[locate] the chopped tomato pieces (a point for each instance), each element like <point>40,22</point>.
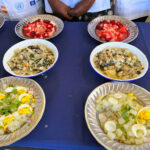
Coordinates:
<point>39,29</point>
<point>111,30</point>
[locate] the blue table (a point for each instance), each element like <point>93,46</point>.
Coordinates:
<point>67,86</point>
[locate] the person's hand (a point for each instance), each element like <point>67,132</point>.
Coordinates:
<point>60,9</point>
<point>81,8</point>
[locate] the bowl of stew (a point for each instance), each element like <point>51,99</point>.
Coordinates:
<point>119,61</point>
<point>30,58</point>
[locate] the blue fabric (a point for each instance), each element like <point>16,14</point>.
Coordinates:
<point>67,87</point>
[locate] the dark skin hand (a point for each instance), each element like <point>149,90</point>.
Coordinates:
<point>60,9</point>
<point>81,8</point>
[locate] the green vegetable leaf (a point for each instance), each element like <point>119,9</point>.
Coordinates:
<point>7,95</point>
<point>128,107</point>
<point>1,104</point>
<point>118,126</point>
<point>7,113</point>
<point>125,115</point>
<point>11,85</point>
<point>7,101</point>
<point>126,121</point>
<point>124,132</point>
<point>14,91</point>
<point>17,102</point>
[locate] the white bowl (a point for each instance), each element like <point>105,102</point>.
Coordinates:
<point>40,103</point>
<point>10,52</point>
<point>133,49</point>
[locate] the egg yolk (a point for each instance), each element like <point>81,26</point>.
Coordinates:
<point>2,96</point>
<point>144,115</point>
<point>25,110</point>
<point>25,99</point>
<point>21,91</point>
<point>6,121</point>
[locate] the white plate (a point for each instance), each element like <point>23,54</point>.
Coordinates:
<point>39,95</point>
<point>59,23</point>
<point>10,52</point>
<point>91,115</point>
<point>132,27</point>
<point>133,49</point>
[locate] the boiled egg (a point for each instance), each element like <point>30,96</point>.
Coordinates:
<point>5,120</point>
<point>118,95</point>
<point>24,109</point>
<point>139,130</point>
<point>25,98</point>
<point>9,89</point>
<point>112,100</point>
<point>110,126</point>
<point>144,113</point>
<point>1,120</point>
<point>21,89</point>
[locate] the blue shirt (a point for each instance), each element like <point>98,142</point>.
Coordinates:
<point>99,5</point>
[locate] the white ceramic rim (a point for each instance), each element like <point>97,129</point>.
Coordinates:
<point>121,45</point>
<point>27,43</point>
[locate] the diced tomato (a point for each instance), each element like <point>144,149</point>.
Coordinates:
<point>39,29</point>
<point>123,29</point>
<point>46,21</point>
<point>32,34</point>
<point>111,30</point>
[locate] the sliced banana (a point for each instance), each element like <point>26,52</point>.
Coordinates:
<point>139,130</point>
<point>110,126</point>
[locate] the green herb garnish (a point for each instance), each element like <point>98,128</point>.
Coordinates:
<point>14,91</point>
<point>125,115</point>
<point>11,85</point>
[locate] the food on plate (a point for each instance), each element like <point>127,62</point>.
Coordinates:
<point>112,30</point>
<point>31,60</point>
<point>39,29</point>
<point>17,105</point>
<point>123,119</point>
<point>118,63</point>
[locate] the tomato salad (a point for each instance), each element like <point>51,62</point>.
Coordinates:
<point>111,30</point>
<point>39,29</point>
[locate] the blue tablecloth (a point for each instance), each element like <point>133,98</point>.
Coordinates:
<point>67,86</point>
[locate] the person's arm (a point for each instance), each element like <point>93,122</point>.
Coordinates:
<point>81,8</point>
<point>60,9</point>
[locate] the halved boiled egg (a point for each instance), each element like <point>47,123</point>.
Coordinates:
<point>113,100</point>
<point>110,126</point>
<point>21,89</point>
<point>9,89</point>
<point>24,109</point>
<point>139,130</point>
<point>5,120</point>
<point>118,95</point>
<point>25,98</point>
<point>144,113</point>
